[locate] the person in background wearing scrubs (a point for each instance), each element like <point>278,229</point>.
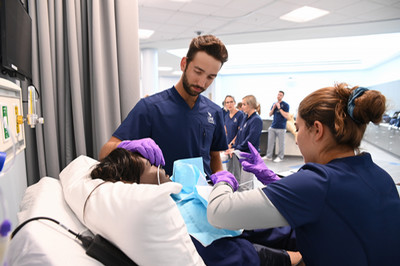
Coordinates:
<point>233,119</point>
<point>343,207</point>
<point>249,131</point>
<point>280,110</point>
<point>224,109</point>
<point>251,126</point>
<point>181,121</point>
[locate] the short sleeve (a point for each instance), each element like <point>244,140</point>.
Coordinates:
<point>286,107</point>
<point>137,124</point>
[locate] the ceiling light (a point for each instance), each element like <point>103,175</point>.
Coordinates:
<point>304,14</point>
<point>145,34</point>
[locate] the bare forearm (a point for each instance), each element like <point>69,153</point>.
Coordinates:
<point>108,147</point>
<point>272,111</point>
<point>215,162</point>
<point>285,114</point>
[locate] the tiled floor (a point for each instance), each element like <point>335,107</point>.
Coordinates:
<point>385,160</point>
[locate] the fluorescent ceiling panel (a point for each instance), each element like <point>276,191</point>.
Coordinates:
<point>303,14</point>
<point>145,34</point>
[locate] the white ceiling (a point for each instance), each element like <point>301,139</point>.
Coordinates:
<point>271,40</point>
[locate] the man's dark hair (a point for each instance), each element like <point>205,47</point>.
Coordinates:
<point>209,44</point>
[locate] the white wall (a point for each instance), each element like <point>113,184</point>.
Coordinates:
<point>167,82</point>
<point>297,85</point>
<point>265,87</point>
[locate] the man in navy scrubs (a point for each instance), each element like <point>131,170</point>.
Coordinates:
<point>180,120</point>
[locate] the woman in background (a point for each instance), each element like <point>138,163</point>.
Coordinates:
<point>251,126</point>
<point>233,119</point>
<point>249,132</point>
<point>343,207</point>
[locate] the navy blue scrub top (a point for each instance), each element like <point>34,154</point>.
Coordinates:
<point>250,130</point>
<point>232,125</point>
<point>180,132</point>
<point>279,120</point>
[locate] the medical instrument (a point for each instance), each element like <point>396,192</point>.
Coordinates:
<point>96,246</point>
<point>32,116</point>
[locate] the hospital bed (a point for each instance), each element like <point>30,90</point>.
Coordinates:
<point>142,220</point>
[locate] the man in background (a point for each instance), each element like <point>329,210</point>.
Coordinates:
<point>280,111</point>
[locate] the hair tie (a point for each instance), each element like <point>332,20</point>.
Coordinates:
<point>351,104</point>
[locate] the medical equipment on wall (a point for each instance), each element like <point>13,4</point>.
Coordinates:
<point>12,135</point>
<point>32,116</point>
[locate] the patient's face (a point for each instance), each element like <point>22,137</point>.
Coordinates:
<point>149,175</point>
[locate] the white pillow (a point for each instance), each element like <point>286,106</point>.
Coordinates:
<point>142,220</point>
<point>43,242</point>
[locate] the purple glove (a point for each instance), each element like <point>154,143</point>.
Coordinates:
<point>225,176</point>
<point>253,163</point>
<point>147,148</point>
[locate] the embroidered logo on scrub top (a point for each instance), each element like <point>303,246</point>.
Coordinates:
<point>210,118</point>
<point>235,120</point>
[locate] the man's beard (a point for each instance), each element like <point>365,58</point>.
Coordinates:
<point>187,86</point>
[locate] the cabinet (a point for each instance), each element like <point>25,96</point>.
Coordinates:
<point>385,137</point>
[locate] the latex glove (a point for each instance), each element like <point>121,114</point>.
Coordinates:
<point>225,176</point>
<point>147,148</point>
<point>253,163</point>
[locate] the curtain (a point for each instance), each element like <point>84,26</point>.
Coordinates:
<point>85,60</point>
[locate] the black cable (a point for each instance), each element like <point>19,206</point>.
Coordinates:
<point>42,218</point>
<point>96,247</point>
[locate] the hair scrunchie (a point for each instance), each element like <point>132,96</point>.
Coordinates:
<point>350,104</point>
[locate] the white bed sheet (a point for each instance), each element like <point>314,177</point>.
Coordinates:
<point>43,242</point>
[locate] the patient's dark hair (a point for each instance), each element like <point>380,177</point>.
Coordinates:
<point>119,165</point>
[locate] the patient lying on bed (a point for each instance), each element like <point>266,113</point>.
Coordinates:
<point>250,248</point>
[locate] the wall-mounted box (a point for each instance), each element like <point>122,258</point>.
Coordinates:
<point>11,115</point>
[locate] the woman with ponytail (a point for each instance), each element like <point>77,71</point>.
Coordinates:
<point>344,209</point>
